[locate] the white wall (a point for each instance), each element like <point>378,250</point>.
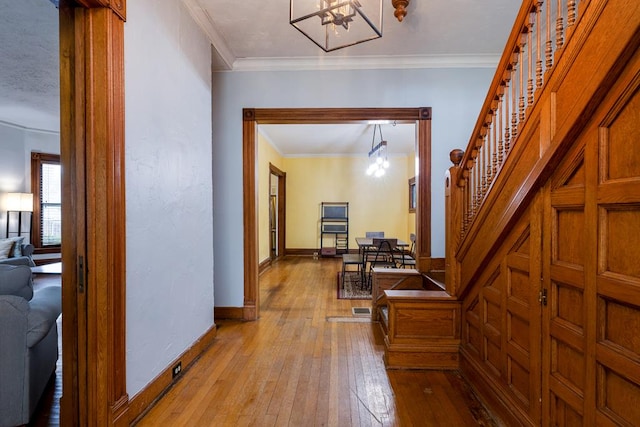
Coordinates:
<point>16,145</point>
<point>455,95</point>
<point>168,186</point>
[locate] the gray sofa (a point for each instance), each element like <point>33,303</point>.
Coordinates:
<point>25,257</point>
<point>28,342</point>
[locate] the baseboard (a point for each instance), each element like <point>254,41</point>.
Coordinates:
<point>142,402</point>
<point>233,313</point>
<point>302,252</point>
<point>264,265</point>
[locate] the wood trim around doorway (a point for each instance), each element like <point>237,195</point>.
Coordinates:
<point>93,212</point>
<point>282,203</point>
<point>253,117</point>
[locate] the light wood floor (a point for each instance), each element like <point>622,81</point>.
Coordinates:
<point>308,361</point>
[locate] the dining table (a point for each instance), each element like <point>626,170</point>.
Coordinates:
<point>365,245</point>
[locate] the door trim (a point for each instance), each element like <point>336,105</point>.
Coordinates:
<point>282,211</point>
<point>252,117</point>
<point>93,219</point>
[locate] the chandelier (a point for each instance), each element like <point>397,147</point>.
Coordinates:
<point>334,24</point>
<point>378,159</point>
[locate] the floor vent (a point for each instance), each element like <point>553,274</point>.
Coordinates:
<point>361,311</point>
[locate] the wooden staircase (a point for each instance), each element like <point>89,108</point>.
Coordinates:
<point>541,305</point>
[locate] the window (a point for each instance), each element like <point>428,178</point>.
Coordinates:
<point>413,195</point>
<point>47,196</point>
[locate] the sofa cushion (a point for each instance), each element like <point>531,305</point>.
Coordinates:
<point>16,280</point>
<point>17,246</point>
<point>46,306</point>
<point>6,246</point>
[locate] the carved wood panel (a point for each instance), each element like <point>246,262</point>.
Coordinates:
<point>501,327</point>
<point>617,278</point>
<point>592,323</point>
<point>564,332</point>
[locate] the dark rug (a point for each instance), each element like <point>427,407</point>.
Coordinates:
<point>352,288</point>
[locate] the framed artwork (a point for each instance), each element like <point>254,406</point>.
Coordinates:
<point>413,195</point>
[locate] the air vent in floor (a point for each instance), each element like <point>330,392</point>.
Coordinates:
<point>361,311</point>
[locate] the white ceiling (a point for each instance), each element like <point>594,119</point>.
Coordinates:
<point>29,70</point>
<point>256,35</point>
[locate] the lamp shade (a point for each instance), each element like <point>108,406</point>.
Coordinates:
<point>334,24</point>
<point>19,202</point>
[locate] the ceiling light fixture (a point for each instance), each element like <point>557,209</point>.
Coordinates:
<point>378,159</point>
<point>339,23</point>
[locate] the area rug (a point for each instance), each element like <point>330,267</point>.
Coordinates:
<point>352,288</point>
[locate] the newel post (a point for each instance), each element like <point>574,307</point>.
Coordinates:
<point>453,218</point>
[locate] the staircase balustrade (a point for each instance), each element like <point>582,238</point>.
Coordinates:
<point>540,35</point>
<point>541,30</point>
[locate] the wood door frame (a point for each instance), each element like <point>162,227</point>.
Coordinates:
<point>93,218</point>
<point>282,204</point>
<point>252,117</point>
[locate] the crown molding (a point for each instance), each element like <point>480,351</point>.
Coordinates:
<point>204,21</point>
<point>27,128</point>
<point>364,62</point>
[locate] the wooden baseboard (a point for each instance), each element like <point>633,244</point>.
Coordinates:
<point>148,396</point>
<point>233,313</point>
<point>264,265</point>
<point>302,252</point>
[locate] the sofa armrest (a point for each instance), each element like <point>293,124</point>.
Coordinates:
<point>45,307</point>
<point>27,249</point>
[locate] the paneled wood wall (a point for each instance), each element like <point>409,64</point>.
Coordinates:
<point>550,281</point>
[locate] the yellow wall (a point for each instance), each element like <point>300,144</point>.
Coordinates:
<point>266,154</point>
<point>375,204</point>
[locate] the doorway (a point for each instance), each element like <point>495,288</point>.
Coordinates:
<point>277,212</point>
<point>421,117</point>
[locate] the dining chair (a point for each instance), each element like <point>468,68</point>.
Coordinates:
<point>406,259</point>
<point>369,252</point>
<point>382,255</point>
<point>372,234</point>
<point>351,259</point>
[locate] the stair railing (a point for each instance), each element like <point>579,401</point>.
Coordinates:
<point>541,30</point>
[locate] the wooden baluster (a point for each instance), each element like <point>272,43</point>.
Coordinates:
<point>571,13</point>
<point>500,136</point>
<point>530,70</point>
<point>485,162</point>
<point>471,191</point>
<point>463,225</point>
<point>494,145</point>
<point>538,45</point>
<point>521,79</point>
<point>478,181</point>
<point>549,45</point>
<point>467,214</point>
<point>514,109</point>
<point>559,27</point>
<point>488,139</point>
<point>507,114</point>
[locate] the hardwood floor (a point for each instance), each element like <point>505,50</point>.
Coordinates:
<point>308,361</point>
